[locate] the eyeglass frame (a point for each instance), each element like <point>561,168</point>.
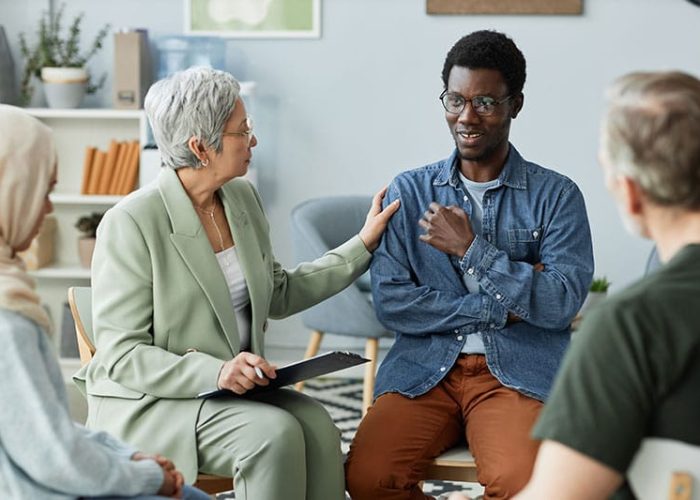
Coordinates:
<point>248,133</point>
<point>495,103</point>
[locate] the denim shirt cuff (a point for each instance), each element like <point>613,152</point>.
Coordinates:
<point>478,258</point>
<point>496,315</point>
<point>476,262</point>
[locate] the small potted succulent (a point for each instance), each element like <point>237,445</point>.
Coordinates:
<point>57,60</point>
<point>596,293</point>
<point>87,225</point>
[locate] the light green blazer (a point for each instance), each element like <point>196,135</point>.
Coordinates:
<point>162,314</point>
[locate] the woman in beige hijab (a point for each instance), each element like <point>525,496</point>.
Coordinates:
<point>43,454</point>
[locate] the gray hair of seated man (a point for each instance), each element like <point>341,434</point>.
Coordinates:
<point>650,134</point>
<point>194,102</point>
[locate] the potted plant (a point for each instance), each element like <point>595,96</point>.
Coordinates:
<point>56,59</point>
<point>600,285</point>
<point>87,225</point>
<point>596,293</point>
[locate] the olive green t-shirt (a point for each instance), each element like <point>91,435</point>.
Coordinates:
<point>633,369</point>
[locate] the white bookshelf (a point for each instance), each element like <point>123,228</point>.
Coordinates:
<point>85,199</point>
<point>62,272</point>
<point>247,90</point>
<point>74,130</point>
<point>85,113</point>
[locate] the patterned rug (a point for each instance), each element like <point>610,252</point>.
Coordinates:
<point>343,399</point>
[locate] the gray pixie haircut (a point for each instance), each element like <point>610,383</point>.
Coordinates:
<point>651,133</point>
<point>194,102</point>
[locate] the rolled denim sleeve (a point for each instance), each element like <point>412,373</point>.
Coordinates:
<point>549,299</point>
<point>406,306</point>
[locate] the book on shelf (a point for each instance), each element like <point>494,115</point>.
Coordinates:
<point>121,158</point>
<point>128,170</point>
<point>108,169</point>
<point>132,170</point>
<point>96,171</point>
<point>87,168</point>
<point>114,171</point>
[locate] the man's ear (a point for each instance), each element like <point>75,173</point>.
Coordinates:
<point>518,102</point>
<point>632,195</point>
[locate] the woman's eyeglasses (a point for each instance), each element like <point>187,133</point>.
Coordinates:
<point>248,132</point>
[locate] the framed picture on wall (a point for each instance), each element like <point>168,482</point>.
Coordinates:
<point>254,18</point>
<point>559,7</point>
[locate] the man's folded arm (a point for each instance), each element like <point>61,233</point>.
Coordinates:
<point>551,298</point>
<point>406,307</point>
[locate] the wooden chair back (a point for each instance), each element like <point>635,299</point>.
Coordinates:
<point>665,468</point>
<point>80,302</point>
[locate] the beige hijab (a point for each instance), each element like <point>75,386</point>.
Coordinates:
<point>27,162</point>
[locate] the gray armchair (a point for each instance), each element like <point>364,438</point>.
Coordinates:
<point>320,225</point>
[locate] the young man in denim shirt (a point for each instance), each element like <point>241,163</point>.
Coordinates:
<point>479,275</point>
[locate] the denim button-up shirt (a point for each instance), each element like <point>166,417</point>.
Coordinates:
<point>532,215</point>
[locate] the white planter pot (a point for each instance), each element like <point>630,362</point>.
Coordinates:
<point>592,300</point>
<point>64,75</point>
<point>64,87</point>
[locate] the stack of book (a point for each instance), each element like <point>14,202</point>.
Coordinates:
<point>112,172</point>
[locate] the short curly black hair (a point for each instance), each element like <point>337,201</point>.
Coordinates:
<point>490,50</point>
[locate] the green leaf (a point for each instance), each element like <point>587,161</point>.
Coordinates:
<point>600,285</point>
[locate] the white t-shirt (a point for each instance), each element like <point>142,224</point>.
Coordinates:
<point>238,289</point>
<point>474,343</point>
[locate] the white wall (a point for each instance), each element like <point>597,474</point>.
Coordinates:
<point>345,113</point>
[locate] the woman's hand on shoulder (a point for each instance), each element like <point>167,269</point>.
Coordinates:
<point>242,373</point>
<point>376,220</point>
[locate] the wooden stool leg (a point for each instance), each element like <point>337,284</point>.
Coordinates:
<point>311,350</point>
<point>371,352</point>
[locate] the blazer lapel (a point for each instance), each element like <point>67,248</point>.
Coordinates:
<point>192,244</point>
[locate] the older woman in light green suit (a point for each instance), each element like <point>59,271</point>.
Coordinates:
<point>184,280</point>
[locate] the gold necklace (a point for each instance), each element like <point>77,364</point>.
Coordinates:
<point>210,213</point>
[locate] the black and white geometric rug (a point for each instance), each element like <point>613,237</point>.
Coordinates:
<point>342,397</point>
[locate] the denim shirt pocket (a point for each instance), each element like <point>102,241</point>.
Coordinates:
<point>524,244</point>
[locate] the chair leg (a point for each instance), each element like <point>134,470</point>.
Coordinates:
<point>311,350</point>
<point>371,352</point>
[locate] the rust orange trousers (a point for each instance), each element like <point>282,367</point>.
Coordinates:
<point>400,436</point>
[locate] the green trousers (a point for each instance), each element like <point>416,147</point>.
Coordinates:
<point>277,445</point>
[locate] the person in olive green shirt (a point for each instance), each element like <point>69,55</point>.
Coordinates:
<point>633,371</point>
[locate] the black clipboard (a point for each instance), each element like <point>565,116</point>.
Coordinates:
<point>296,372</point>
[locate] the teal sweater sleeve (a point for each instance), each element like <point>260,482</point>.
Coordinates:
<point>43,453</point>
